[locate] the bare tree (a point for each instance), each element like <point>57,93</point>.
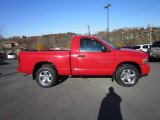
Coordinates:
<point>1,38</point>
<point>1,30</point>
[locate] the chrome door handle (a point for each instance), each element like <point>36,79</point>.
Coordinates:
<point>81,55</point>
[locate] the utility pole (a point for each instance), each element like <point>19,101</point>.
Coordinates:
<point>89,30</point>
<point>107,7</point>
<point>150,34</point>
<point>25,40</point>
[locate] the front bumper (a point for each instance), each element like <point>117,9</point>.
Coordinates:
<point>154,55</point>
<point>145,69</point>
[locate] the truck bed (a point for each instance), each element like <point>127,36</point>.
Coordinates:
<point>59,58</point>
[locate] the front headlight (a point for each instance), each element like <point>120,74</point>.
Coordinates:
<point>144,61</point>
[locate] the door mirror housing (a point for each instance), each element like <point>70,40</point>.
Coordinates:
<point>105,49</point>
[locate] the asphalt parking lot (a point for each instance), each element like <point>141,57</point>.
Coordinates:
<point>77,98</point>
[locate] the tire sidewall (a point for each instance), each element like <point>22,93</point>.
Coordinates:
<point>119,71</point>
<point>53,73</point>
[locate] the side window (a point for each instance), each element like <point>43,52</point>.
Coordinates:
<point>136,47</point>
<point>90,45</point>
<point>145,46</point>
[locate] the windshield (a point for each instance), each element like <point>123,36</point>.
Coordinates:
<point>111,45</point>
<point>156,44</point>
<point>10,53</point>
<point>136,47</point>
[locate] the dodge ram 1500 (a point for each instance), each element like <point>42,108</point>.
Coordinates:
<point>88,56</point>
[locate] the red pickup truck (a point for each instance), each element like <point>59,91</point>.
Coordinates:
<point>88,56</point>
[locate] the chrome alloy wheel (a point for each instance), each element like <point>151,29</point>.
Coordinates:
<point>45,77</point>
<point>128,76</point>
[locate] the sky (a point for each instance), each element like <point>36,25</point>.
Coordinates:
<point>39,17</point>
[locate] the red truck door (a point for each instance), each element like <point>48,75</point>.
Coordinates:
<point>92,60</point>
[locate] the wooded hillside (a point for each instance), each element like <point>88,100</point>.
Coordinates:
<point>119,37</point>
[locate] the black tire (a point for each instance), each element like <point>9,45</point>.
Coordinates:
<point>127,75</point>
<point>46,76</point>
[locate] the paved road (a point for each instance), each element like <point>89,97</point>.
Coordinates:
<point>77,98</point>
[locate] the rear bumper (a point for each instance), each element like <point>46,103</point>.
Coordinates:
<point>19,69</point>
<point>145,69</point>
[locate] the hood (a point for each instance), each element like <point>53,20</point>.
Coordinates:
<point>131,53</point>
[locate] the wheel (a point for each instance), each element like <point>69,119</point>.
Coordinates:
<point>127,75</point>
<point>46,76</point>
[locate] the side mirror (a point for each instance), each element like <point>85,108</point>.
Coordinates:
<point>105,49</point>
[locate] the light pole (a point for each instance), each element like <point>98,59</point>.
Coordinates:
<point>107,7</point>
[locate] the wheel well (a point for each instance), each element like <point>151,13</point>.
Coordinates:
<point>131,63</point>
<point>39,65</point>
